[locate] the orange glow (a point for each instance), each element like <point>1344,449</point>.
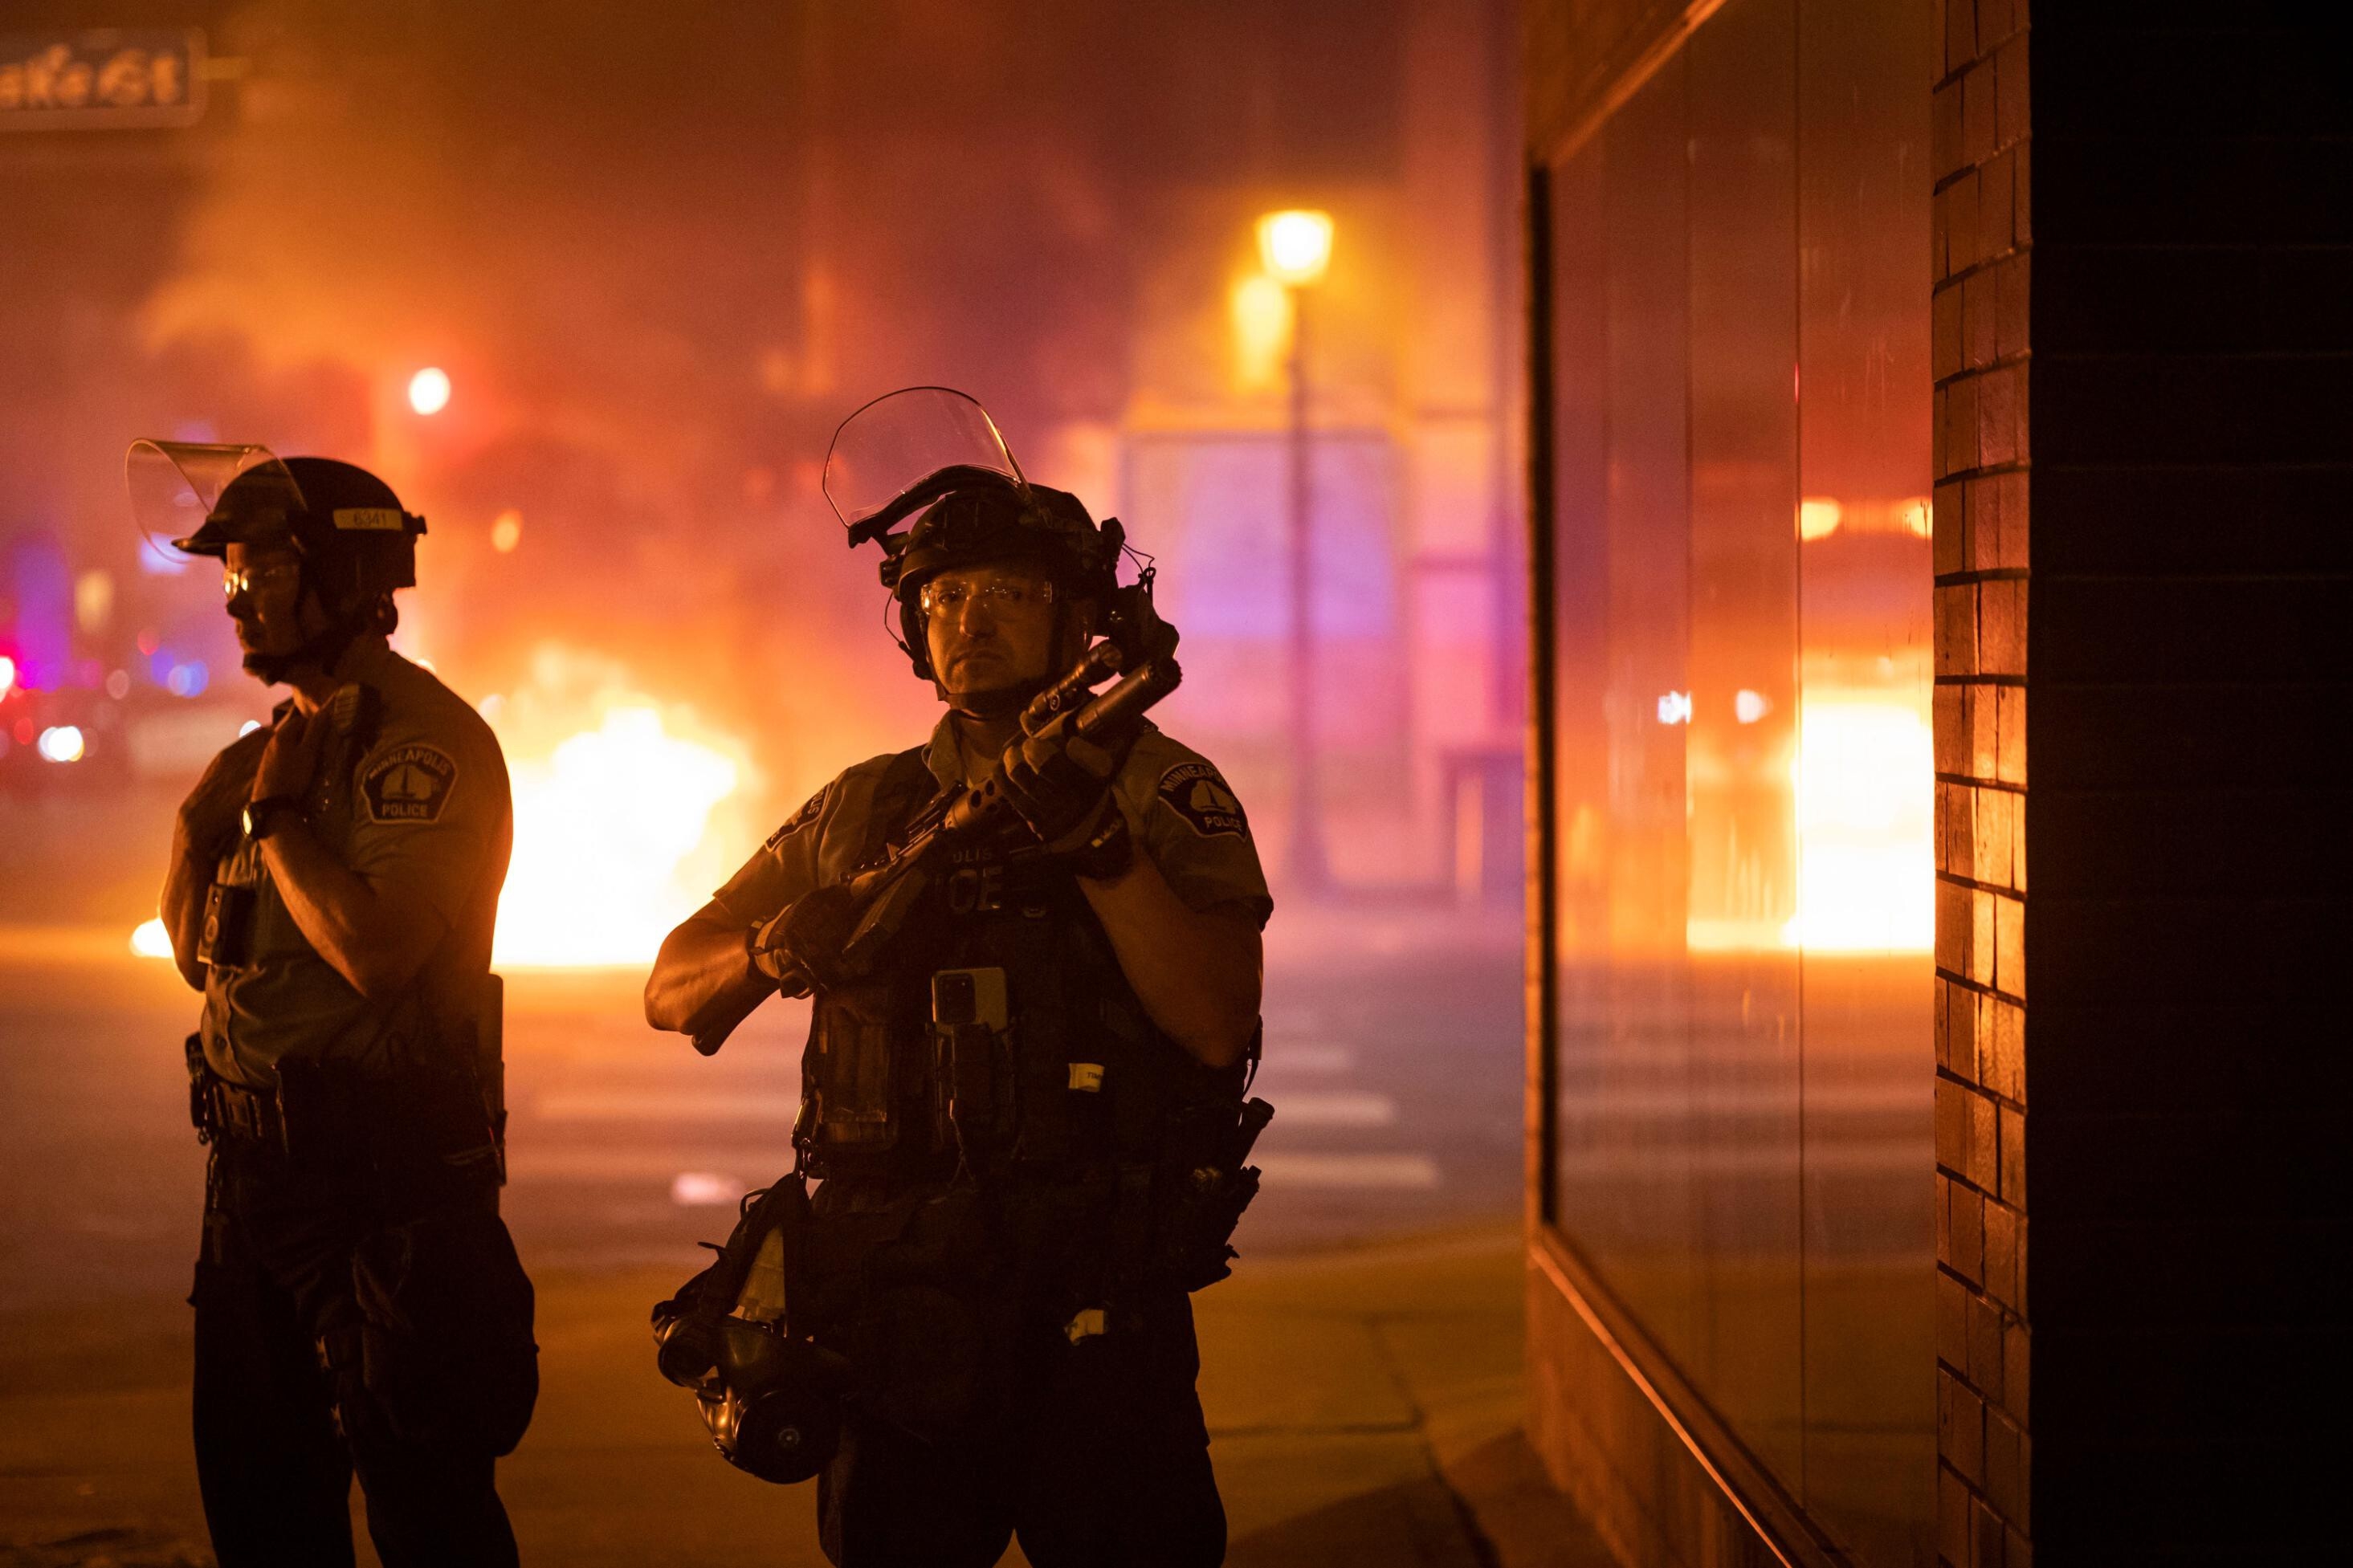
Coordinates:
<point>1865,787</point>
<point>613,837</point>
<point>614,796</point>
<point>1819,517</point>
<point>507,532</point>
<point>1261,308</point>
<point>1295,246</point>
<point>1863,793</point>
<point>429,390</point>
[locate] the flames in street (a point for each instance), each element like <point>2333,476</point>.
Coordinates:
<point>620,812</point>
<point>627,813</point>
<point>606,825</point>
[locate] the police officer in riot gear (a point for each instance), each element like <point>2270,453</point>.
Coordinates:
<point>333,882</point>
<point>1012,1109</point>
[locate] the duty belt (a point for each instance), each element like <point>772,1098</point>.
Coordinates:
<point>222,1111</point>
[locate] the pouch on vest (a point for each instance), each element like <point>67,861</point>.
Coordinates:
<point>848,1067</point>
<point>1204,1186</point>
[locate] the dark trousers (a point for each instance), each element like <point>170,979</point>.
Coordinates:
<point>1099,1459</point>
<point>278,1436</point>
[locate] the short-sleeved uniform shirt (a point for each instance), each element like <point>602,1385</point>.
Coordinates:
<point>411,795</point>
<point>1179,808</point>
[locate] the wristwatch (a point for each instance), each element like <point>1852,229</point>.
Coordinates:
<point>262,816</point>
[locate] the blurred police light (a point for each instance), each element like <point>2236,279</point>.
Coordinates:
<point>1750,706</point>
<point>60,743</point>
<point>248,728</point>
<point>7,674</point>
<point>1675,707</point>
<point>429,390</point>
<point>187,680</point>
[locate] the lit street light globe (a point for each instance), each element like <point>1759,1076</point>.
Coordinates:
<point>429,390</point>
<point>1295,246</point>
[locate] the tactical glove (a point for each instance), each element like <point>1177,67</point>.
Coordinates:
<point>802,945</point>
<point>1060,789</point>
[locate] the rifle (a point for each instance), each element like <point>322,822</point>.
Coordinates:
<point>1140,650</point>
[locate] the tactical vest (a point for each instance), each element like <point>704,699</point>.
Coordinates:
<point>1003,1039</point>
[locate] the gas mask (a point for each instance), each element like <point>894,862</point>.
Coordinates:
<point>771,1399</point>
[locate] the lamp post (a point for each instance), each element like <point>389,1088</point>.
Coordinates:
<point>1295,247</point>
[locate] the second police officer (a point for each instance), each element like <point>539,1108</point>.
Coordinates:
<point>333,882</point>
<point>994,1108</point>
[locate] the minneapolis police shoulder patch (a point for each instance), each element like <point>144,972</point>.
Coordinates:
<point>1196,793</point>
<point>407,784</point>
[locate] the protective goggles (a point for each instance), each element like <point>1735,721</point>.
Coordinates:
<point>1005,598</point>
<point>239,581</point>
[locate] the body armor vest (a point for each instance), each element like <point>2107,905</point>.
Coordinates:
<point>1002,1037</point>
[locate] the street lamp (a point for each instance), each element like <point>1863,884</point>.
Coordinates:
<point>1295,247</point>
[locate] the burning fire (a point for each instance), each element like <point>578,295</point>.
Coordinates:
<point>607,825</point>
<point>621,826</point>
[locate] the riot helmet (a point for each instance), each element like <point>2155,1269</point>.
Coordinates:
<point>357,543</point>
<point>934,453</point>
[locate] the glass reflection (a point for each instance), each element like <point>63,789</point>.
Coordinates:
<point>1865,789</point>
<point>1741,738</point>
<point>1745,721</point>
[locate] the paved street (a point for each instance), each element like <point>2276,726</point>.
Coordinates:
<point>1361,1384</point>
<point>1392,1059</point>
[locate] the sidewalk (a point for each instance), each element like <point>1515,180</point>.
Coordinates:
<point>1364,1406</point>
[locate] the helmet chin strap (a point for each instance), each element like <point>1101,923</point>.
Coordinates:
<point>999,702</point>
<point>324,648</point>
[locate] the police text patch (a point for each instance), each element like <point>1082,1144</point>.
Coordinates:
<point>807,812</point>
<point>408,783</point>
<point>1202,799</point>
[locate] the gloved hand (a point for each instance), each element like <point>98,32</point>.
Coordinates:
<point>1060,789</point>
<point>208,818</point>
<point>802,945</point>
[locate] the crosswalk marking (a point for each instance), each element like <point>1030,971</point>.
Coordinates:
<point>663,1105</point>
<point>1413,1172</point>
<point>1334,1110</point>
<point>1285,1057</point>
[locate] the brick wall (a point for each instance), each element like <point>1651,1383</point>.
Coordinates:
<point>2181,395</point>
<point>2191,669</point>
<point>1981,252</point>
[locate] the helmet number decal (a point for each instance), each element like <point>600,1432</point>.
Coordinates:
<point>371,519</point>
<point>408,783</point>
<point>1196,793</point>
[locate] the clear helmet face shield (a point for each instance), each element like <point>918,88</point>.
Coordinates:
<point>906,449</point>
<point>177,485</point>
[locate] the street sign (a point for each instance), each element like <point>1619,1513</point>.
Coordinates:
<point>112,81</point>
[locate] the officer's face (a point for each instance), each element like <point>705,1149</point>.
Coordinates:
<point>273,615</point>
<point>988,627</point>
